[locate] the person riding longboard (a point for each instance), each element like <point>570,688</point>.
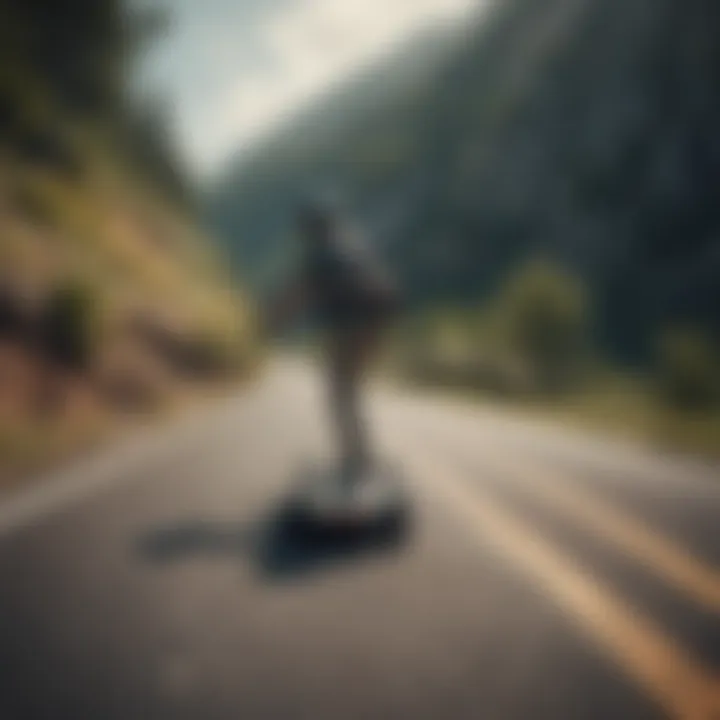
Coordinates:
<point>344,284</point>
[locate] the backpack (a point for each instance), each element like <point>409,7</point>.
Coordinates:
<point>349,279</point>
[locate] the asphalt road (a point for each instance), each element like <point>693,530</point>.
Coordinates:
<point>547,575</point>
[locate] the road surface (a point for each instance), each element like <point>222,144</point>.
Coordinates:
<point>549,575</point>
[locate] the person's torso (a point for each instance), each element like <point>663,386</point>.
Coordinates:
<point>347,278</point>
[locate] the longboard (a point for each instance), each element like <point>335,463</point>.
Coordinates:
<point>376,504</point>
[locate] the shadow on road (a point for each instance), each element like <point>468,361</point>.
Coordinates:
<point>278,551</point>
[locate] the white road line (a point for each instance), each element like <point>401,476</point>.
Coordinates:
<point>548,438</point>
<point>59,490</point>
<point>563,495</point>
<point>661,555</point>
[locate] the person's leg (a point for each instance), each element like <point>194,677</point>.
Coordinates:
<point>352,351</point>
<point>343,389</point>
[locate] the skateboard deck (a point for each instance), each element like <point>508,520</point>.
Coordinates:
<point>377,502</point>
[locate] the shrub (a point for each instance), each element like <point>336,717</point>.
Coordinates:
<point>542,316</point>
<point>67,326</point>
<point>688,370</point>
<point>14,315</point>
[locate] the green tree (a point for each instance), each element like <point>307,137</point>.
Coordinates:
<point>543,317</point>
<point>68,329</point>
<point>688,370</point>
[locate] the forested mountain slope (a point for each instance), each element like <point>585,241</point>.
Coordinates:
<point>585,131</point>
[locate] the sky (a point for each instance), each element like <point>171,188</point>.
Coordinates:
<point>232,69</point>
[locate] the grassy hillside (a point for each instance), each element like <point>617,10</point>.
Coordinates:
<point>113,301</point>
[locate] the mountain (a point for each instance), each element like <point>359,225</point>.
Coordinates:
<point>251,201</point>
<point>584,131</point>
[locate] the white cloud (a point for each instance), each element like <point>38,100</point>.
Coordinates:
<point>307,46</point>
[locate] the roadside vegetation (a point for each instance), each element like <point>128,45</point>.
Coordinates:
<point>533,345</point>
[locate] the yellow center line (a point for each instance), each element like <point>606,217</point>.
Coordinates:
<point>564,495</point>
<point>682,687</point>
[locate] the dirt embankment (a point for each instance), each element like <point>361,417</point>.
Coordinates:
<point>113,306</point>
